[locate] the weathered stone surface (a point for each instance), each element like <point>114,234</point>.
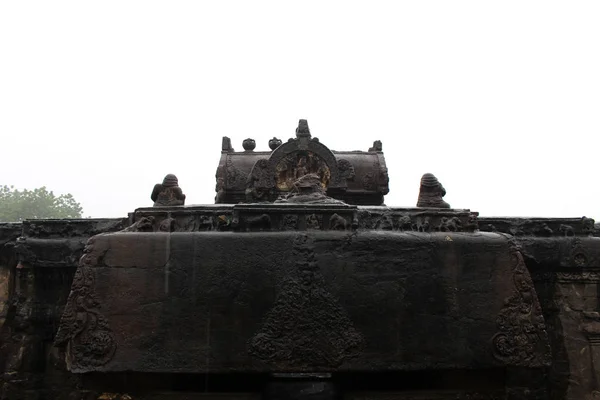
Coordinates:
<point>298,301</point>
<point>253,176</point>
<point>431,193</point>
<point>168,193</point>
<point>37,263</point>
<point>303,298</point>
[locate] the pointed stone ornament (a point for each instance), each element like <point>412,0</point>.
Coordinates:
<point>302,129</point>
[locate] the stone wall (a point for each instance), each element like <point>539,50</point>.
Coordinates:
<point>38,260</point>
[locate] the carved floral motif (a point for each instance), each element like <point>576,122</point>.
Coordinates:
<point>522,331</point>
<point>307,327</point>
<point>83,330</point>
<point>290,222</point>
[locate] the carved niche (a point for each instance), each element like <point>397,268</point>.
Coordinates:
<point>292,160</point>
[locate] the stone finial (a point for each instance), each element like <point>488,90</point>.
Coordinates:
<point>226,145</point>
<point>168,193</point>
<point>431,193</point>
<point>274,143</point>
<point>302,129</point>
<point>377,146</point>
<point>249,144</point>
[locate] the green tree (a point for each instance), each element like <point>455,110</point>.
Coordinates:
<point>18,205</point>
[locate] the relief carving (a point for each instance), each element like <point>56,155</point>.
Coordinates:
<point>167,225</point>
<point>338,223</point>
<point>522,331</point>
<point>259,222</point>
<point>83,330</point>
<point>234,177</point>
<point>385,223</point>
<point>144,224</point>
<point>579,256</point>
<point>307,327</point>
<point>346,169</point>
<point>587,225</point>
<point>260,182</point>
<point>583,277</point>
<point>566,230</point>
<point>450,225</point>
<point>369,181</point>
<point>290,222</point>
<point>298,164</point>
<point>313,222</point>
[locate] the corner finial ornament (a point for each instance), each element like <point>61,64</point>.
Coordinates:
<point>302,129</point>
<point>168,193</point>
<point>431,193</point>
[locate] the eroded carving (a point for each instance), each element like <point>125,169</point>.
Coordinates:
<point>579,255</point>
<point>168,193</point>
<point>582,276</point>
<point>309,190</point>
<point>290,222</point>
<point>83,330</point>
<point>377,146</point>
<point>144,224</point>
<point>298,164</point>
<point>431,193</point>
<point>450,225</point>
<point>566,230</point>
<point>313,222</point>
<point>346,169</point>
<point>587,225</point>
<point>521,327</point>
<point>337,222</point>
<point>260,182</point>
<point>307,327</point>
<point>167,225</point>
<point>259,222</point>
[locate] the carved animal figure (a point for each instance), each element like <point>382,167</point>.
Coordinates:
<point>338,223</point>
<point>144,224</point>
<point>431,193</point>
<point>259,222</point>
<point>168,193</point>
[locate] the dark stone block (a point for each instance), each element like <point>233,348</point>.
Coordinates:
<point>304,302</point>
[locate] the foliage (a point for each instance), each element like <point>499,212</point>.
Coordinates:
<point>16,205</point>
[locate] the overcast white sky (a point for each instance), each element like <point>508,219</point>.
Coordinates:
<point>500,100</point>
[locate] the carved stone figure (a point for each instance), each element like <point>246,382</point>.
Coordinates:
<point>346,169</point>
<point>377,146</point>
<point>249,144</point>
<point>337,222</point>
<point>298,164</point>
<point>274,143</point>
<point>144,224</point>
<point>259,182</point>
<point>302,129</point>
<point>431,193</point>
<point>307,189</point>
<point>168,193</point>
